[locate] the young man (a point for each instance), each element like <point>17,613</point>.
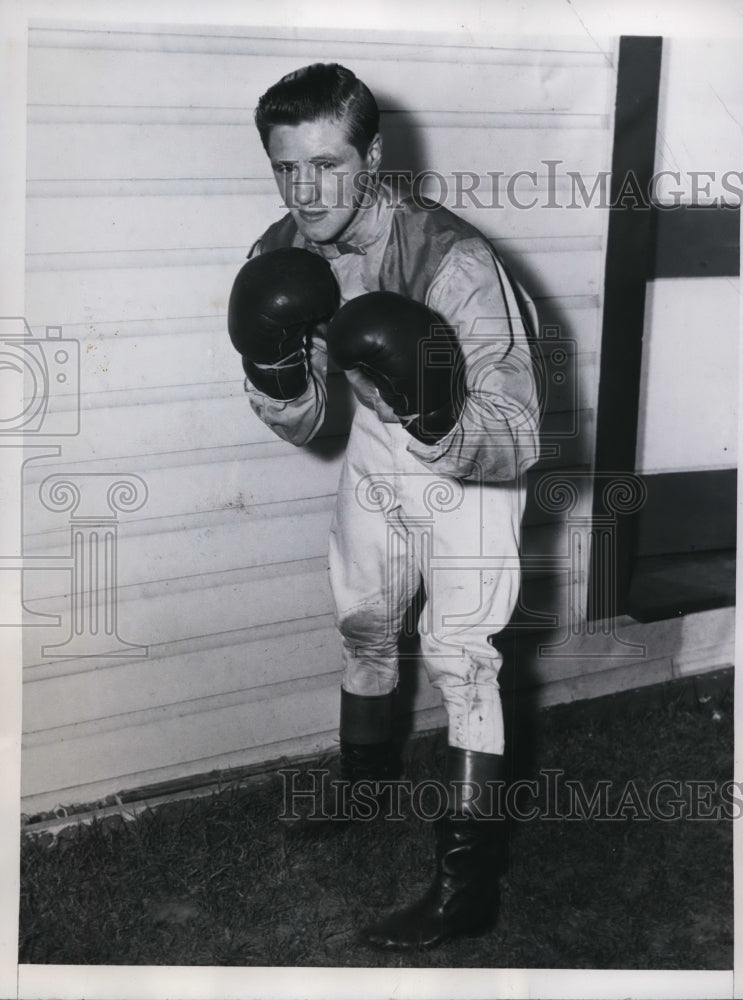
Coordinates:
<point>415,306</point>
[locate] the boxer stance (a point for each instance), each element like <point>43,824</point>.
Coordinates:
<point>417,309</point>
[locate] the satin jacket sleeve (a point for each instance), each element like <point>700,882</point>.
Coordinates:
<point>496,437</point>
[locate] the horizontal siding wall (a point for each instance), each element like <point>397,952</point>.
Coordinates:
<point>146,186</point>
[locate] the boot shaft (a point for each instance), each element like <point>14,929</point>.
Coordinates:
<point>473,781</point>
<point>368,751</point>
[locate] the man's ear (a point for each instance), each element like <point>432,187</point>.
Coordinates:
<point>374,154</point>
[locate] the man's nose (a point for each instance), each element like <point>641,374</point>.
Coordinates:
<point>305,187</point>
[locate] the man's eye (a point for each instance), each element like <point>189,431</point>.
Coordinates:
<point>283,168</point>
<point>325,165</point>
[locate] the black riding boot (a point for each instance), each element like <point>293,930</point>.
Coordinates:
<point>368,752</point>
<point>464,894</point>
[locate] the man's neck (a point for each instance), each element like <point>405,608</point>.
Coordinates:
<point>365,227</point>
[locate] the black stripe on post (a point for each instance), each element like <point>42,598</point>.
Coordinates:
<point>694,241</point>
<point>628,266</point>
<point>686,535</point>
<point>688,512</point>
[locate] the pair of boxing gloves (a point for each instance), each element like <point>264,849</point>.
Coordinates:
<point>278,300</point>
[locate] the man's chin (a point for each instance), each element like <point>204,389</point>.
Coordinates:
<point>323,230</point>
<point>318,240</point>
<point>319,231</point>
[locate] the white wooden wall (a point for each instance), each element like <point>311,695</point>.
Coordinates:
<point>690,378</point>
<point>146,186</point>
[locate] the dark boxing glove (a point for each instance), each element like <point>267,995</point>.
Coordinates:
<point>277,300</point>
<point>413,359</point>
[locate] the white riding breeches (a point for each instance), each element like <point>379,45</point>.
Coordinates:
<point>398,525</point>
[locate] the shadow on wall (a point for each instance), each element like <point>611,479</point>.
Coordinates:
<point>403,138</point>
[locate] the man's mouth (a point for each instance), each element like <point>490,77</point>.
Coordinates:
<point>312,215</point>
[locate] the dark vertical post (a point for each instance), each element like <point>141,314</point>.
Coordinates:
<point>629,257</point>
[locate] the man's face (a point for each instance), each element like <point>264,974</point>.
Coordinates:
<point>315,165</point>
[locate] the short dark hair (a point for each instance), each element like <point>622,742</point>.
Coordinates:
<point>322,90</point>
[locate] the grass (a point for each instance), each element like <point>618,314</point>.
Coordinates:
<point>221,881</point>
